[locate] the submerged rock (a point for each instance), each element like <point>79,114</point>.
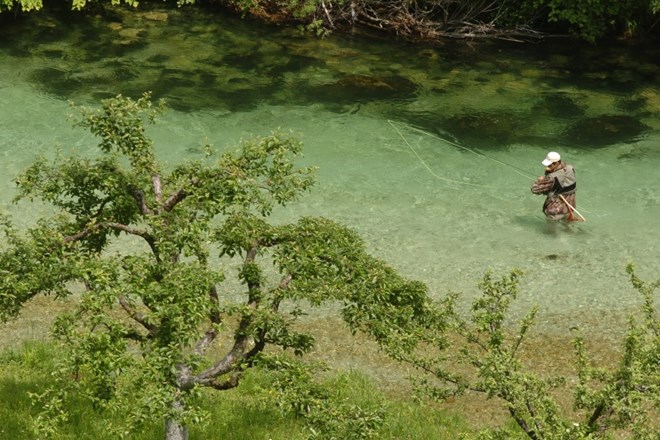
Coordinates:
<point>604,130</point>
<point>156,15</point>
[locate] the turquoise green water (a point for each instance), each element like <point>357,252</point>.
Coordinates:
<point>427,152</point>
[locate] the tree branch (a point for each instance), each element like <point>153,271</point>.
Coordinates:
<point>327,14</point>
<point>214,315</point>
<point>109,225</point>
<point>157,185</point>
<point>117,226</point>
<point>177,196</point>
<point>135,315</point>
<point>225,365</point>
<point>203,344</point>
<point>141,200</point>
<point>523,424</point>
<point>260,343</point>
<point>598,412</point>
<point>230,383</point>
<point>238,351</point>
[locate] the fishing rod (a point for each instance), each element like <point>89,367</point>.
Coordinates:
<point>572,208</point>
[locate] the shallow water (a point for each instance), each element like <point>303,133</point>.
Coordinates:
<point>428,152</point>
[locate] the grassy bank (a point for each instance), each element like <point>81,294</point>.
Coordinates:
<point>360,375</point>
<point>242,413</point>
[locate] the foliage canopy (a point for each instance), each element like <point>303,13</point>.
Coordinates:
<point>150,253</point>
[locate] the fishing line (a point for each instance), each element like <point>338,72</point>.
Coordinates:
<point>519,171</point>
<point>429,168</point>
<point>526,174</point>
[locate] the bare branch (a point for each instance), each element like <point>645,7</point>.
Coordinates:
<point>432,22</point>
<point>327,14</point>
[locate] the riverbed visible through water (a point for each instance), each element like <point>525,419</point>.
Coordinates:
<point>428,152</point>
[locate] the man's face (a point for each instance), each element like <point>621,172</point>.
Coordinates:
<point>552,167</point>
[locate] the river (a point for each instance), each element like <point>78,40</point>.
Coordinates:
<point>428,152</point>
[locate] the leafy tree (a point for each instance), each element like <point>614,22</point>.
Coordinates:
<point>430,20</point>
<point>592,20</point>
<point>486,360</point>
<point>145,250</point>
<point>76,5</point>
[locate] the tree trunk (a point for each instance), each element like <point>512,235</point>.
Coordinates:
<point>175,430</point>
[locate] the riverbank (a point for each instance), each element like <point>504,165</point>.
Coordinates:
<point>28,355</point>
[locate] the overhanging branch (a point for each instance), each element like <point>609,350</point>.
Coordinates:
<point>177,196</point>
<point>107,225</point>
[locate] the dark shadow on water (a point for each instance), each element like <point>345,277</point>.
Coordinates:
<point>241,66</point>
<point>633,104</point>
<point>478,130</point>
<point>362,88</point>
<point>487,130</point>
<point>56,82</point>
<point>604,130</point>
<point>558,105</point>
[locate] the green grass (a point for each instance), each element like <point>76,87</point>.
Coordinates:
<point>244,413</point>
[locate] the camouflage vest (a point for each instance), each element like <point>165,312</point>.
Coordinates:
<point>564,181</point>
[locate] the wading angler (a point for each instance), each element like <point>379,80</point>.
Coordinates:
<point>559,186</point>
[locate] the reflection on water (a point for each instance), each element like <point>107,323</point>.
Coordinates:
<point>428,152</point>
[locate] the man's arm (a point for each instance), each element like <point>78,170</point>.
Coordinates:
<point>543,185</point>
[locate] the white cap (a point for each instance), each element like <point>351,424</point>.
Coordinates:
<point>552,157</point>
